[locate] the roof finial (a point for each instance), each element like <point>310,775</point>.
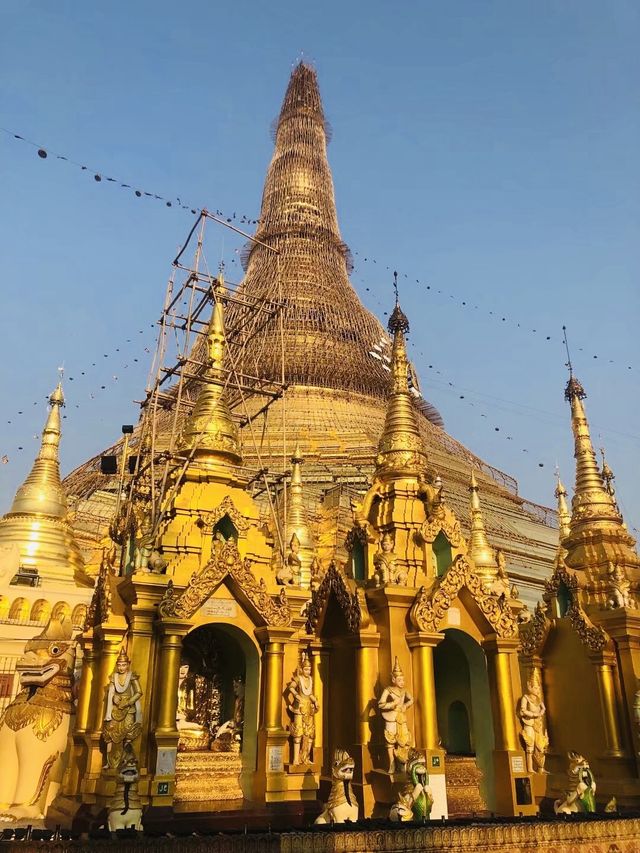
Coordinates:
<point>210,429</point>
<point>481,552</point>
<point>400,451</point>
<point>566,346</point>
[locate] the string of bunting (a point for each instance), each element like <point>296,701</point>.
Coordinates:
<point>243,219</point>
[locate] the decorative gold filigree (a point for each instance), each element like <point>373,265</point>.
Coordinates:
<point>445,521</point>
<point>225,561</point>
<point>594,637</point>
<point>209,518</point>
<point>534,633</point>
<point>334,582</point>
<point>430,607</point>
<point>100,604</point>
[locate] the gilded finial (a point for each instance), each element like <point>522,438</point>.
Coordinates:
<point>480,551</point>
<point>210,430</point>
<point>401,451</point>
<point>592,503</point>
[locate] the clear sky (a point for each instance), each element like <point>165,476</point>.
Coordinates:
<point>488,149</point>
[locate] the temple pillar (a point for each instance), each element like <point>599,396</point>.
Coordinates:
<point>367,672</point>
<point>272,736</point>
<point>162,769</point>
<point>106,645</point>
<point>78,759</point>
<point>320,667</point>
<point>605,662</point>
<point>426,735</point>
<point>513,784</point>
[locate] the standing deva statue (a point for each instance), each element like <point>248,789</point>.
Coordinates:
<point>123,715</point>
<point>394,704</point>
<point>303,706</point>
<point>531,711</point>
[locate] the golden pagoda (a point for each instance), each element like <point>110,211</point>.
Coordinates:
<point>308,606</point>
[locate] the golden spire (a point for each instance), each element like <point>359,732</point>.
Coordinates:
<point>401,451</point>
<point>564,516</point>
<point>328,334</point>
<point>480,551</point>
<point>592,504</point>
<point>296,522</point>
<point>210,429</point>
<point>36,526</point>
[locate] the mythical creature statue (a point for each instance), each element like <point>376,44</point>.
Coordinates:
<point>317,574</point>
<point>501,585</point>
<point>125,808</point>
<point>123,715</point>
<point>394,704</point>
<point>35,726</point>
<point>342,805</point>
<point>303,706</point>
<point>619,588</point>
<point>531,711</point>
<point>384,562</point>
<point>415,800</point>
<point>580,796</point>
<point>289,573</point>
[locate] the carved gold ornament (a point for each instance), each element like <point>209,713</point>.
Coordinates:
<point>334,581</point>
<point>430,607</point>
<point>225,561</point>
<point>592,636</point>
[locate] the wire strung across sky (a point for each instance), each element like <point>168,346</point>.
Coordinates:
<point>243,219</point>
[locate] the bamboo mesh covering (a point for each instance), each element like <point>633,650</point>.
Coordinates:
<point>319,344</point>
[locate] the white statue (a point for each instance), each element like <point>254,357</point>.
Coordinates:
<point>186,702</point>
<point>619,588</point>
<point>394,704</point>
<point>123,715</point>
<point>303,706</point>
<point>532,712</point>
<point>342,806</point>
<point>124,808</point>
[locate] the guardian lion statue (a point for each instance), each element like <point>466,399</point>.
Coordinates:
<point>580,796</point>
<point>35,726</point>
<point>342,805</point>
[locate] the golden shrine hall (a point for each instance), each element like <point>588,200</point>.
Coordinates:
<point>288,584</point>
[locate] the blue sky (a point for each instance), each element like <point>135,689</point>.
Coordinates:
<point>490,150</point>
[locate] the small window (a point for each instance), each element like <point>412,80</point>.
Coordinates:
<point>441,553</point>
<point>564,599</point>
<point>226,528</point>
<point>357,561</point>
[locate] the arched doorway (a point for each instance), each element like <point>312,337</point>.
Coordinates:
<point>217,716</point>
<point>463,702</point>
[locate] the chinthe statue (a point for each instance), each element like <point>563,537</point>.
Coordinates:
<point>386,569</point>
<point>303,706</point>
<point>394,704</point>
<point>580,796</point>
<point>531,711</point>
<point>342,806</point>
<point>123,716</point>
<point>35,726</point>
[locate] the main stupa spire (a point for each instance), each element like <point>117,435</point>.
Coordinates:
<point>326,334</point>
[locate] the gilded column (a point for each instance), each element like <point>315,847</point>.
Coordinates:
<point>167,674</point>
<point>83,703</point>
<point>320,664</point>
<point>424,686</point>
<point>366,677</point>
<point>604,663</point>
<point>499,653</point>
<point>111,642</point>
